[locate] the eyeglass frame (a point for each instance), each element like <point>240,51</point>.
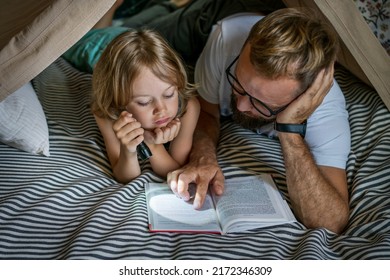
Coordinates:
<point>251,98</point>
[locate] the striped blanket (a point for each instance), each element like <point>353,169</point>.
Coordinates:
<point>68,206</point>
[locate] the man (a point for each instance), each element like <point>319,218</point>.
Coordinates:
<point>279,80</point>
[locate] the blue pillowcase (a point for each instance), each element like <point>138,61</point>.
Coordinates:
<point>86,52</point>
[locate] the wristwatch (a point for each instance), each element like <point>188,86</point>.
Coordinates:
<point>291,128</point>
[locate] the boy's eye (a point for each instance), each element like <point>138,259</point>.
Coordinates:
<point>143,103</point>
<point>169,95</point>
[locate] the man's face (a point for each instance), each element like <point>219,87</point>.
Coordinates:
<point>246,119</point>
<point>257,100</point>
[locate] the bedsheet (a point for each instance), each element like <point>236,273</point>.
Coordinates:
<point>68,205</point>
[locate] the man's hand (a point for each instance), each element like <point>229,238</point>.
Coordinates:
<point>203,173</point>
<point>301,109</point>
<point>202,169</point>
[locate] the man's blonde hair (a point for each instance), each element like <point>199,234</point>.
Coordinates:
<point>292,42</point>
<point>122,62</point>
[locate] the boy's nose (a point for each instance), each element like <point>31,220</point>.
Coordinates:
<point>160,107</point>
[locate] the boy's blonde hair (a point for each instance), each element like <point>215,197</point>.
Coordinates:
<point>121,63</point>
<point>292,42</point>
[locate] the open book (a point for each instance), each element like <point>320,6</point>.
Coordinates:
<point>247,203</point>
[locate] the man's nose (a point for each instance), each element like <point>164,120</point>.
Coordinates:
<point>243,103</point>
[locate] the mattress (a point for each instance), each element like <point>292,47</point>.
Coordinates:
<point>69,206</point>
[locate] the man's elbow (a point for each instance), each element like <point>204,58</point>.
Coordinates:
<point>335,223</point>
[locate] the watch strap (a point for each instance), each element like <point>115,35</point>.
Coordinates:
<point>291,128</point>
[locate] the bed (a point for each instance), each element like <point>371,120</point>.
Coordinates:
<point>67,205</point>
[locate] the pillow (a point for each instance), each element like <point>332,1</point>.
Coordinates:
<point>23,123</point>
<point>86,52</point>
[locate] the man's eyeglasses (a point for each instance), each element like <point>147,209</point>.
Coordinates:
<point>260,106</point>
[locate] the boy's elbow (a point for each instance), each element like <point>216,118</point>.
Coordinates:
<point>125,179</point>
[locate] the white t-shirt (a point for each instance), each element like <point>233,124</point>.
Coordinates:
<point>327,134</point>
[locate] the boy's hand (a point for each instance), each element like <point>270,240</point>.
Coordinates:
<point>162,135</point>
<point>128,131</point>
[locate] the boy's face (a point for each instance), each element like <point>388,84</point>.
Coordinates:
<point>154,102</point>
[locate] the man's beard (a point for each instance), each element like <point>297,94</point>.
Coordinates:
<point>246,121</point>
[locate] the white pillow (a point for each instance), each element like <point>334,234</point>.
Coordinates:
<point>22,122</point>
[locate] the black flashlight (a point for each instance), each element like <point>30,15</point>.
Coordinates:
<point>143,151</point>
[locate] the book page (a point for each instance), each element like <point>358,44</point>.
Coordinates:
<point>251,202</point>
<point>169,213</point>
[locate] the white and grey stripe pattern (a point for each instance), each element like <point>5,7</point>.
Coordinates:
<point>68,206</point>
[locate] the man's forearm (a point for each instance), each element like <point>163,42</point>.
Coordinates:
<point>206,137</point>
<point>315,201</point>
<point>202,168</point>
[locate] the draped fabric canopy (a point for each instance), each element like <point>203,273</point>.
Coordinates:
<point>33,33</point>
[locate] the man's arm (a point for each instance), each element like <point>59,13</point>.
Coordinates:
<point>319,194</point>
<point>202,168</point>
